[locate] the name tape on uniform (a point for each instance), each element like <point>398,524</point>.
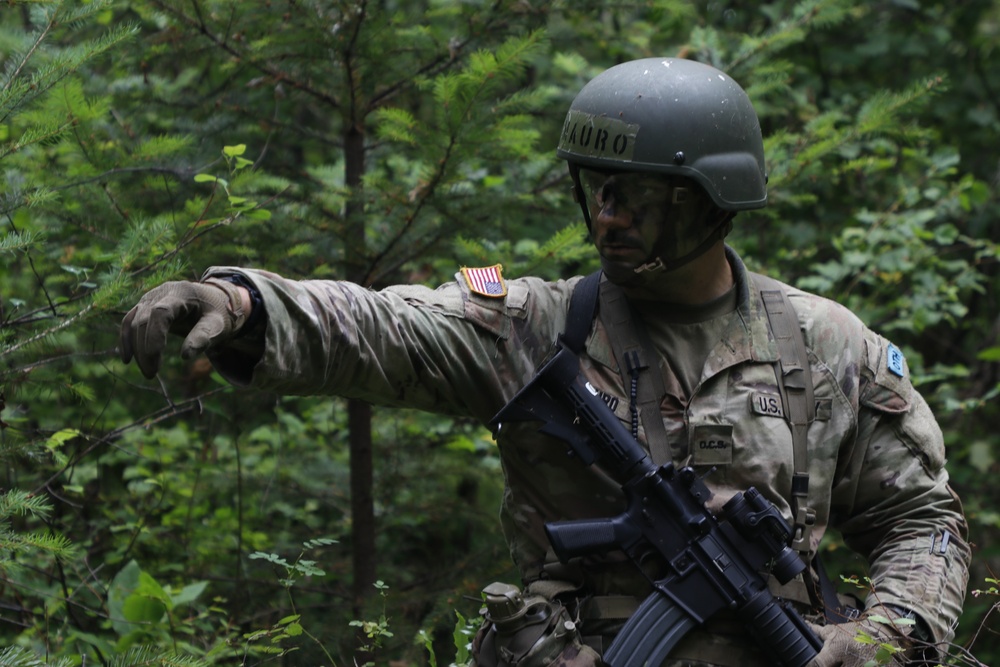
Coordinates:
<point>711,444</point>
<point>765,404</point>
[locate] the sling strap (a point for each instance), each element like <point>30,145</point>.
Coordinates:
<point>582,309</point>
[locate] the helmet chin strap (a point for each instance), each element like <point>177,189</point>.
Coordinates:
<point>651,271</point>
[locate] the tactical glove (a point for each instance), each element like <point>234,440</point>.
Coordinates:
<point>880,637</point>
<point>206,314</point>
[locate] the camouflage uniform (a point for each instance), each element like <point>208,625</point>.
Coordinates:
<point>876,456</point>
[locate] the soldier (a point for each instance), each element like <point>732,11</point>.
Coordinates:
<point>663,153</point>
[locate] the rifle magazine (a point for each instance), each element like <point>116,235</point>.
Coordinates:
<point>650,633</point>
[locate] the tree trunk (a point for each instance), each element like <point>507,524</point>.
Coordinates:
<point>359,416</point>
<point>359,413</point>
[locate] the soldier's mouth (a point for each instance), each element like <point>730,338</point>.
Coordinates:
<point>616,249</point>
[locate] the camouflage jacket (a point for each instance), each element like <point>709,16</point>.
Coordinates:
<point>876,454</point>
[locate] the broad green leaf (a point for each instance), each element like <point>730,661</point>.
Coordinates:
<point>188,594</point>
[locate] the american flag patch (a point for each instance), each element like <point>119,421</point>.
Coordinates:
<point>486,281</point>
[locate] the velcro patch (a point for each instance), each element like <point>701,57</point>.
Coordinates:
<point>599,136</point>
<point>894,361</point>
<point>486,281</point>
<point>712,444</point>
<point>889,389</point>
<point>767,405</point>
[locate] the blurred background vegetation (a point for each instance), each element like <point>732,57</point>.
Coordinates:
<point>181,521</point>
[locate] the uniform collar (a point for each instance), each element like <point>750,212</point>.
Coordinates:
<point>747,337</point>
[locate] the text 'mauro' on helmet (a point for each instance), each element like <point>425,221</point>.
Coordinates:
<point>670,116</point>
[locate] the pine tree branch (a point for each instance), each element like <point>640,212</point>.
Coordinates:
<point>199,24</point>
<point>44,334</point>
<point>179,174</point>
<point>483,73</point>
<point>438,65</point>
<point>27,56</point>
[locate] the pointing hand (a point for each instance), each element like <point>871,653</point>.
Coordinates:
<point>205,313</point>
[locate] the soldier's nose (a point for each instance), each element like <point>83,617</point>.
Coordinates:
<point>612,215</point>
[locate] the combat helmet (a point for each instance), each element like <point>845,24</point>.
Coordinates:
<point>670,116</point>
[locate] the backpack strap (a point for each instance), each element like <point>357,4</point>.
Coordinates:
<point>796,388</point>
<point>795,385</point>
<point>582,309</point>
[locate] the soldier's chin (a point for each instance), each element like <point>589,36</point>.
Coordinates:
<point>620,273</point>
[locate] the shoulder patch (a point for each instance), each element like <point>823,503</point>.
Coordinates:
<point>486,281</point>
<point>888,388</point>
<point>894,361</point>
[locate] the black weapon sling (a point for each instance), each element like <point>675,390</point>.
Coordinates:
<point>635,354</point>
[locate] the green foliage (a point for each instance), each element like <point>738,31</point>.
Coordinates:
<point>568,250</point>
<point>144,141</point>
<point>465,631</point>
<point>298,568</point>
<point>33,70</point>
<point>16,545</point>
<point>377,631</point>
<point>14,656</point>
<point>138,605</point>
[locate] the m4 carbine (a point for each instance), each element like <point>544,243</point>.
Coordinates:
<point>713,562</point>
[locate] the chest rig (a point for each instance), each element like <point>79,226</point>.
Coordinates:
<point>640,373</point>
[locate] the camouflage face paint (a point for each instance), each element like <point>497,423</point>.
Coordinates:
<point>641,217</point>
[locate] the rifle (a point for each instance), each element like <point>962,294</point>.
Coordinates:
<point>713,562</point>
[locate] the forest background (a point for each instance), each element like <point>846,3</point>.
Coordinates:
<point>181,521</point>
